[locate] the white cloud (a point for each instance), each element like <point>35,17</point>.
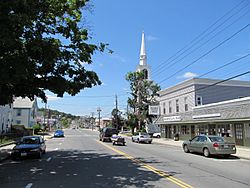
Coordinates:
<point>188,75</point>
<point>151,38</point>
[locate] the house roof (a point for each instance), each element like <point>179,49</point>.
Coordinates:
<point>20,102</point>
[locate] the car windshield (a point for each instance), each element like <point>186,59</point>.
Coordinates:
<point>30,140</point>
<point>216,139</point>
<point>144,134</point>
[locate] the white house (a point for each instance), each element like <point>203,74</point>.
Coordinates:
<point>5,118</point>
<point>25,111</point>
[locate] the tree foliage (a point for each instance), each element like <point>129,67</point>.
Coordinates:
<point>117,119</point>
<point>43,47</point>
<point>143,93</point>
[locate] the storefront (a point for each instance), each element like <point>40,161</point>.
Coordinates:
<point>230,119</point>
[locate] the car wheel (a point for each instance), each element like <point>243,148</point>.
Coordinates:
<point>44,151</point>
<point>206,152</point>
<point>226,156</point>
<point>39,155</point>
<point>133,140</point>
<point>185,148</point>
<point>138,141</point>
<point>149,142</point>
<point>158,136</point>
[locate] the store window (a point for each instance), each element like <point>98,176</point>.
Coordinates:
<point>184,129</point>
<point>224,130</point>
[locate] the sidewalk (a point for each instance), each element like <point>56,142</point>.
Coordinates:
<point>5,150</point>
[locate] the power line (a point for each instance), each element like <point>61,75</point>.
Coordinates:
<point>200,35</point>
<point>220,67</point>
<point>208,52</point>
<point>205,87</point>
<point>195,49</point>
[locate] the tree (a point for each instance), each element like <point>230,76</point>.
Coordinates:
<point>143,94</point>
<point>116,118</point>
<point>43,47</point>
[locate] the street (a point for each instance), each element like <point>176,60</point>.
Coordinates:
<point>81,160</point>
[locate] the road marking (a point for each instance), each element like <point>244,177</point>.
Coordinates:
<point>151,168</point>
<point>56,149</point>
<point>48,160</point>
<point>60,143</point>
<point>29,185</point>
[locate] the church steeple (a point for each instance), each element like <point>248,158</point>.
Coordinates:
<point>143,66</point>
<point>143,56</point>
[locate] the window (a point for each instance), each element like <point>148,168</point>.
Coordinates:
<point>18,122</point>
<point>19,112</point>
<point>164,108</point>
<point>184,129</point>
<point>177,105</point>
<point>170,107</point>
<point>198,100</point>
<point>186,104</point>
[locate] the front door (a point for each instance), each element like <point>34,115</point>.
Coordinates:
<point>238,134</point>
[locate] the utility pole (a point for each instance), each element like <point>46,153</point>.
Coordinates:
<point>116,112</point>
<point>99,116</point>
<point>92,120</point>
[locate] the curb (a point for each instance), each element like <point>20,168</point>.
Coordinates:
<point>2,145</point>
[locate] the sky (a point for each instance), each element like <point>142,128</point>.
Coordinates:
<point>184,39</point>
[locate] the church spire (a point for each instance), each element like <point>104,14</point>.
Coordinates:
<point>143,66</point>
<point>143,56</point>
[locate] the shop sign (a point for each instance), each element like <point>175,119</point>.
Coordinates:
<point>154,110</point>
<point>206,116</point>
<point>172,118</point>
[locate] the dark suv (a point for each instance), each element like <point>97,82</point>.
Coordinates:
<point>106,133</point>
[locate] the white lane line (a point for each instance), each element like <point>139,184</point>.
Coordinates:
<point>29,185</point>
<point>48,160</point>
<point>56,149</point>
<point>60,143</point>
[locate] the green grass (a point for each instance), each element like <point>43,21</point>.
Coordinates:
<point>5,140</point>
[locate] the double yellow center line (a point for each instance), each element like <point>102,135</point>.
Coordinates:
<point>151,168</point>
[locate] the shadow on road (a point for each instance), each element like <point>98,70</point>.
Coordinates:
<point>75,168</point>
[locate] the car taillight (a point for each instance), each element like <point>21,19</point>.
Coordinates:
<point>215,145</point>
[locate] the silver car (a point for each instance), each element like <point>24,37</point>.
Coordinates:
<point>142,137</point>
<point>209,145</point>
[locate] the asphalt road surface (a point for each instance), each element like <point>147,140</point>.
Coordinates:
<point>81,160</point>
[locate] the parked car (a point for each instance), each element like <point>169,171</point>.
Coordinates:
<point>59,133</point>
<point>117,139</point>
<point>209,145</point>
<point>156,135</point>
<point>29,146</point>
<point>106,133</point>
<point>142,137</point>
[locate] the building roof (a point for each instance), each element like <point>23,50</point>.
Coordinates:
<point>204,81</point>
<point>20,102</point>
